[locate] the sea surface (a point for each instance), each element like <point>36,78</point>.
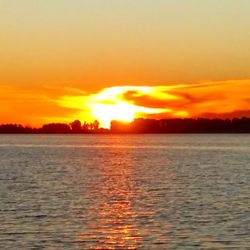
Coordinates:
<point>124,192</point>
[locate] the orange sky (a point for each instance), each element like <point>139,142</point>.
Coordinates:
<point>62,60</point>
<point>41,104</point>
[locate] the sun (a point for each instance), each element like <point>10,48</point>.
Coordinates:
<point>110,104</point>
<point>114,104</point>
<point>122,111</point>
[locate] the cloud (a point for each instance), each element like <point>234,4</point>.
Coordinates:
<point>229,115</point>
<point>196,99</point>
<point>35,105</point>
<point>39,104</point>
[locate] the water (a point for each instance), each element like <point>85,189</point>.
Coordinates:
<point>124,192</point>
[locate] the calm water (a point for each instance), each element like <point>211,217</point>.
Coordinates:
<point>125,192</point>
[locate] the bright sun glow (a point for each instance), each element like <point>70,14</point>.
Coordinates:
<point>120,111</point>
<point>118,103</point>
<point>110,104</point>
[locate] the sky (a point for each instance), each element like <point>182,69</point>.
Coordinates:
<point>62,60</point>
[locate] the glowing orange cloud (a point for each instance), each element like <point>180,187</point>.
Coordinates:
<point>124,103</point>
<point>43,104</point>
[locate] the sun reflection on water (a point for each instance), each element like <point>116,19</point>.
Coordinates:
<point>113,219</point>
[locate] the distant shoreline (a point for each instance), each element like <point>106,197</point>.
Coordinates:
<point>139,126</point>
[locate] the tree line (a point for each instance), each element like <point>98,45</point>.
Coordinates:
<point>140,125</point>
<point>74,127</point>
<point>187,125</point>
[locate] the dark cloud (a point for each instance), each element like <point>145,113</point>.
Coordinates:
<point>182,100</point>
<point>146,100</point>
<point>229,115</point>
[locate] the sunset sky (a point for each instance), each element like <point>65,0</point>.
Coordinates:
<point>62,60</point>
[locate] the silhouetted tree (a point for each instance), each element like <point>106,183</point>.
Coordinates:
<point>85,127</point>
<point>96,125</point>
<point>76,126</point>
<point>56,128</point>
